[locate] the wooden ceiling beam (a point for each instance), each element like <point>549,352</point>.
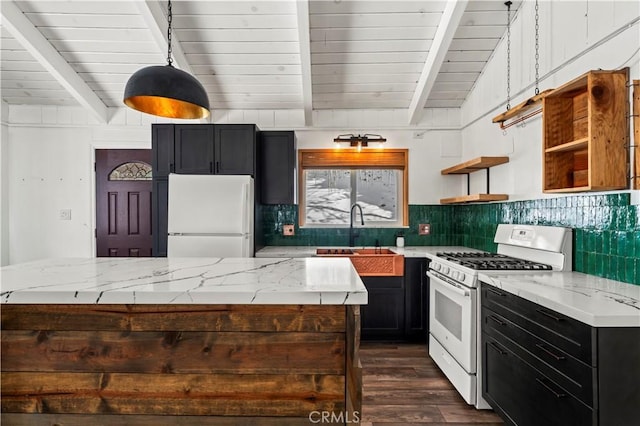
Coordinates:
<point>41,49</point>
<point>302,10</point>
<point>441,41</point>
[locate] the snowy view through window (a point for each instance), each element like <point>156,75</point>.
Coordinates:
<point>330,193</point>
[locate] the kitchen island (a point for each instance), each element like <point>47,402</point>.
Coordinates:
<point>214,341</point>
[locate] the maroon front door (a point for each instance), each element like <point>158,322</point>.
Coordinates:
<point>123,202</point>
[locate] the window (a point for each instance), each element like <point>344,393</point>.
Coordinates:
<point>332,181</point>
<point>131,171</point>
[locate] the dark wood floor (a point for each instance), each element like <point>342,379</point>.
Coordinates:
<point>402,385</point>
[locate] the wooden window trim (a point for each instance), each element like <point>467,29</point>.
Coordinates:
<point>354,159</point>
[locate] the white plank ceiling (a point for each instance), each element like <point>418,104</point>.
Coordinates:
<point>281,54</point>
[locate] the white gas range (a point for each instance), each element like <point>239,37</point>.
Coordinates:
<point>454,311</point>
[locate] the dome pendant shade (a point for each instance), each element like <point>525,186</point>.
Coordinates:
<point>167,92</point>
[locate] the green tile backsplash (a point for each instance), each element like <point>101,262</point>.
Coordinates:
<point>606,229</point>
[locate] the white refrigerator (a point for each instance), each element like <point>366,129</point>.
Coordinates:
<point>210,216</point>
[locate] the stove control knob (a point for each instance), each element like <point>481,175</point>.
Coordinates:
<point>437,266</point>
<point>446,270</point>
<point>462,276</point>
<point>454,275</point>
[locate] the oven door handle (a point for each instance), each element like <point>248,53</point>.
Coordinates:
<point>449,285</point>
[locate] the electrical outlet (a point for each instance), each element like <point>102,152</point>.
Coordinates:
<point>424,229</point>
<point>65,214</point>
<point>288,230</point>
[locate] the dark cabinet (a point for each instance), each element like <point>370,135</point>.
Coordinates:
<point>416,284</point>
<point>196,149</point>
<point>383,316</point>
<point>162,137</point>
<point>277,167</point>
<point>543,367</point>
<point>227,149</point>
<point>159,216</point>
<point>235,149</point>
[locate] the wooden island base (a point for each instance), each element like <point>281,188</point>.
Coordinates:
<point>208,364</point>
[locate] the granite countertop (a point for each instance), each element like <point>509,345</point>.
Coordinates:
<point>595,301</point>
<point>312,281</point>
<point>310,251</point>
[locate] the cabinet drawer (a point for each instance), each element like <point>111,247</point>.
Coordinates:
<point>567,371</point>
<point>568,334</point>
<point>524,396</point>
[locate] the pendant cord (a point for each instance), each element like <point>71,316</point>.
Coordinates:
<point>169,20</point>
<point>537,91</point>
<point>508,4</point>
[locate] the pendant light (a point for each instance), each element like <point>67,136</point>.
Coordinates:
<point>166,91</point>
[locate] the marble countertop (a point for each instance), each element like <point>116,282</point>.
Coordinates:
<point>595,301</point>
<point>310,251</point>
<point>312,281</point>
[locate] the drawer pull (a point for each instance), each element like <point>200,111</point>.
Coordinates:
<point>550,315</point>
<point>496,292</point>
<point>550,389</point>
<point>496,319</point>
<point>497,348</point>
<point>548,352</point>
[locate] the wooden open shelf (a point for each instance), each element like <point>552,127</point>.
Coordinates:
<point>480,163</point>
<point>474,165</point>
<point>474,198</point>
<point>585,130</point>
<point>636,133</point>
<point>569,146</point>
<point>522,107</point>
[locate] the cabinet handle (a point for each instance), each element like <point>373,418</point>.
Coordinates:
<point>548,352</point>
<point>497,348</point>
<point>172,168</point>
<point>496,292</point>
<point>210,166</point>
<point>549,315</point>
<point>496,319</point>
<point>217,167</point>
<point>550,389</point>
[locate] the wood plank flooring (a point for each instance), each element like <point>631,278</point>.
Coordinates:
<point>403,386</point>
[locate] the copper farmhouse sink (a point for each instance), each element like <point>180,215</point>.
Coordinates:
<point>369,261</point>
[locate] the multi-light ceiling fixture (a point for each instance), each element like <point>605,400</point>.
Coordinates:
<point>166,91</point>
<point>359,141</point>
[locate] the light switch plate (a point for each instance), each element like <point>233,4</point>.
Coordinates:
<point>424,229</point>
<point>288,230</point>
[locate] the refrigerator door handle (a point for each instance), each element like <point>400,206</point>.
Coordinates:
<point>247,202</point>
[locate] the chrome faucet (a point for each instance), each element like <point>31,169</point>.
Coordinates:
<point>353,234</point>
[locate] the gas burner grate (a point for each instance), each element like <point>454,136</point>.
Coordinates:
<point>492,261</point>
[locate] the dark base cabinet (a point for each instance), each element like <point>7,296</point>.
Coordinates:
<point>383,317</point>
<point>416,302</point>
<point>159,216</point>
<point>544,368</point>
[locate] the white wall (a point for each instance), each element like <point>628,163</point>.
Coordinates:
<point>4,188</point>
<point>51,155</point>
<point>575,37</point>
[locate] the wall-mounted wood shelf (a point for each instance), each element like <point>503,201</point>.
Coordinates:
<point>585,130</point>
<point>468,167</point>
<point>474,165</point>
<point>474,198</point>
